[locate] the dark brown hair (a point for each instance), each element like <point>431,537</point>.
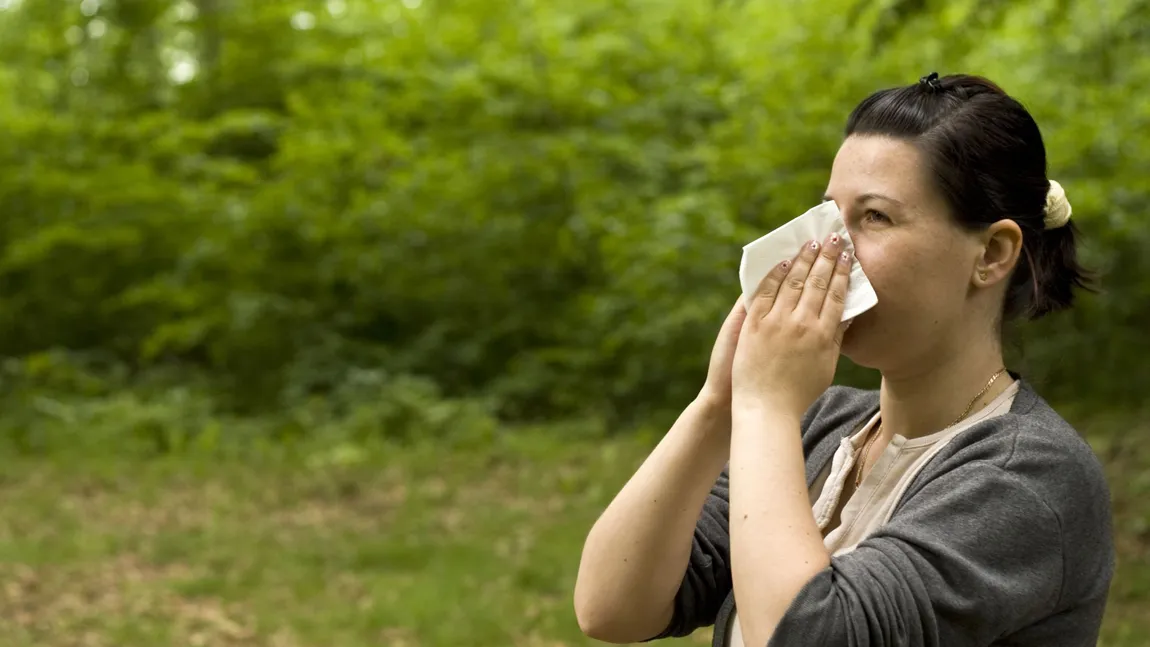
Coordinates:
<point>987,157</point>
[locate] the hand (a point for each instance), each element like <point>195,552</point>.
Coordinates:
<point>789,344</point>
<point>717,388</point>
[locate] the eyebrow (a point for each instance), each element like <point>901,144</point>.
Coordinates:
<point>870,196</point>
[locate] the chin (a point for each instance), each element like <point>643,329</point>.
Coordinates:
<point>855,344</point>
<point>848,350</point>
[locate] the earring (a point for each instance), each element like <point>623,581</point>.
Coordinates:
<point>982,275</point>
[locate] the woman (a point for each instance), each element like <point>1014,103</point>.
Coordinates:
<point>952,506</point>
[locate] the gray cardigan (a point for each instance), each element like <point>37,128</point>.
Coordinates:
<point>1004,538</point>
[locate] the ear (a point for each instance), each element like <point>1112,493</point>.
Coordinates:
<point>1001,245</point>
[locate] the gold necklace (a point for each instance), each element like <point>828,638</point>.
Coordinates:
<point>875,433</point>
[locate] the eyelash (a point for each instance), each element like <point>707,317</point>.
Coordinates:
<point>879,214</point>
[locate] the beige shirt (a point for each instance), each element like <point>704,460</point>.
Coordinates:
<point>873,502</point>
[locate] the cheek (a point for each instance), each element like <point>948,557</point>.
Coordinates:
<point>881,265</point>
<point>902,276</point>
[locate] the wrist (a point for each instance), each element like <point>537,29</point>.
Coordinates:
<point>713,406</point>
<point>714,397</point>
<point>711,423</point>
<point>758,407</point>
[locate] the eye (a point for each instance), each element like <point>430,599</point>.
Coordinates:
<point>875,216</point>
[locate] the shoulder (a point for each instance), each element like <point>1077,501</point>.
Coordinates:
<point>839,399</point>
<point>1031,454</point>
<point>1038,448</point>
<point>836,413</point>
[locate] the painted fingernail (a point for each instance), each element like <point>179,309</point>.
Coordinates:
<point>845,258</point>
<point>834,239</point>
<point>785,265</point>
<point>815,245</point>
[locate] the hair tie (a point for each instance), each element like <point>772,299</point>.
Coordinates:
<point>1057,210</point>
<point>931,81</point>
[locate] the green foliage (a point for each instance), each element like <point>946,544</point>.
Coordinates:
<point>55,403</point>
<point>538,203</point>
<point>353,234</point>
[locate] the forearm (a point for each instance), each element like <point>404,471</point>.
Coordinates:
<point>636,554</point>
<point>776,546</point>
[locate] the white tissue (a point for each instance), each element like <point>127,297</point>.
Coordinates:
<point>762,255</point>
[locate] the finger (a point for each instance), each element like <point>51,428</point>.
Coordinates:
<point>819,280</point>
<point>740,304</point>
<point>792,288</point>
<point>768,289</point>
<point>833,305</point>
<point>736,316</point>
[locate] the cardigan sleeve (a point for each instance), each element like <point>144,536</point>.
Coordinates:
<point>973,555</point>
<point>707,580</point>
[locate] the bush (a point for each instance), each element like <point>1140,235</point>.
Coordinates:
<point>540,207</point>
<point>54,403</point>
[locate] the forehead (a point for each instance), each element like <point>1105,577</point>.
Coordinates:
<point>876,164</point>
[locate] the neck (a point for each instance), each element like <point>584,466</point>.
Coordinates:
<point>920,402</point>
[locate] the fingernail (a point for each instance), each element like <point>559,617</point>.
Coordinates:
<point>845,258</point>
<point>834,239</point>
<point>785,265</point>
<point>815,245</point>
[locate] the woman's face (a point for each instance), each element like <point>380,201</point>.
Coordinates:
<point>919,262</point>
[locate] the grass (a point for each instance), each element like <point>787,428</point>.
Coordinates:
<point>421,546</point>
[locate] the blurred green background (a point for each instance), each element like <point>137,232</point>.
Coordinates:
<point>337,323</point>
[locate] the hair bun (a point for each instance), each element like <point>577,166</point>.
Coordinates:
<point>1057,211</point>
